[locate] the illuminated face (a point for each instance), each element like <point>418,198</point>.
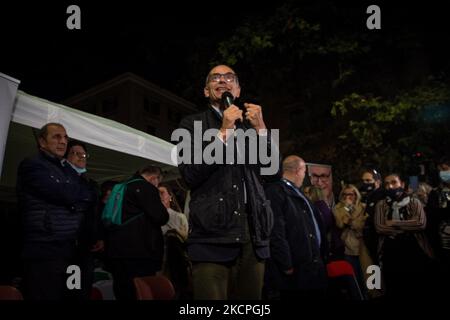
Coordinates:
<point>221,79</point>
<point>55,143</point>
<point>321,177</point>
<point>367,177</point>
<point>165,196</point>
<point>393,182</point>
<point>77,156</point>
<point>349,195</point>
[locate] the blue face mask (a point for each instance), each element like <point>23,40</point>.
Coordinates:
<point>445,176</point>
<point>77,169</point>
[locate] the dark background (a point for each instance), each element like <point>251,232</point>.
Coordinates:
<point>160,40</point>
<point>155,40</point>
<point>174,44</point>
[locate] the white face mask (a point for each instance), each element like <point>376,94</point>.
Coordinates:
<point>77,169</point>
<point>445,176</point>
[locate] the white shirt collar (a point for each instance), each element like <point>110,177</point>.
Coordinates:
<point>220,112</point>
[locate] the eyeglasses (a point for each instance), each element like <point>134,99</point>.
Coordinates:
<point>81,155</point>
<point>349,194</point>
<point>322,177</point>
<point>229,77</point>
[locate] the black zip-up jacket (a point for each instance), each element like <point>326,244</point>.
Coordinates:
<point>143,214</point>
<point>52,199</point>
<point>217,208</point>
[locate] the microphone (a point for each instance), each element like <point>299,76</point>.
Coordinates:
<point>227,99</point>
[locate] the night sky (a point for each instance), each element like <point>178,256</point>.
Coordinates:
<point>151,39</point>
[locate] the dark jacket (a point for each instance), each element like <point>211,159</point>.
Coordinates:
<point>370,235</point>
<point>333,234</point>
<point>438,216</point>
<point>52,199</point>
<point>91,228</point>
<point>140,234</point>
<point>293,243</point>
<point>217,208</point>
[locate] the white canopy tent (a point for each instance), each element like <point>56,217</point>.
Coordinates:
<point>116,150</point>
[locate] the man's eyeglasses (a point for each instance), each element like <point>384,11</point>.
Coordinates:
<point>81,155</point>
<point>228,77</point>
<point>322,177</point>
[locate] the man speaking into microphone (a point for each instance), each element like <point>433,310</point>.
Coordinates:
<point>229,216</point>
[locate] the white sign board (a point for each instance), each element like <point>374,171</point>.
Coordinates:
<point>8,89</point>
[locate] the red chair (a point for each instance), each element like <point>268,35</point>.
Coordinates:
<point>342,272</point>
<point>339,268</point>
<point>154,288</point>
<point>96,294</point>
<point>10,293</point>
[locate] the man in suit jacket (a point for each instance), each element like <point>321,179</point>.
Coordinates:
<point>296,268</point>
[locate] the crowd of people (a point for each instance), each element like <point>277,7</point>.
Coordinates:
<point>248,236</point>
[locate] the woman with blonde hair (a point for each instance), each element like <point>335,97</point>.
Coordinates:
<point>350,218</point>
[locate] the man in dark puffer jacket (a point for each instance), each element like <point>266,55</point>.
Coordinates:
<point>52,199</point>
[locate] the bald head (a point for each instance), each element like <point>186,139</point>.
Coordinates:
<point>294,169</point>
<point>292,163</point>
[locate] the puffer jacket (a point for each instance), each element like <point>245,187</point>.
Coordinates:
<point>52,199</point>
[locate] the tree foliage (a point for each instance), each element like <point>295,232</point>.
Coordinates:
<point>391,128</point>
<point>355,97</point>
